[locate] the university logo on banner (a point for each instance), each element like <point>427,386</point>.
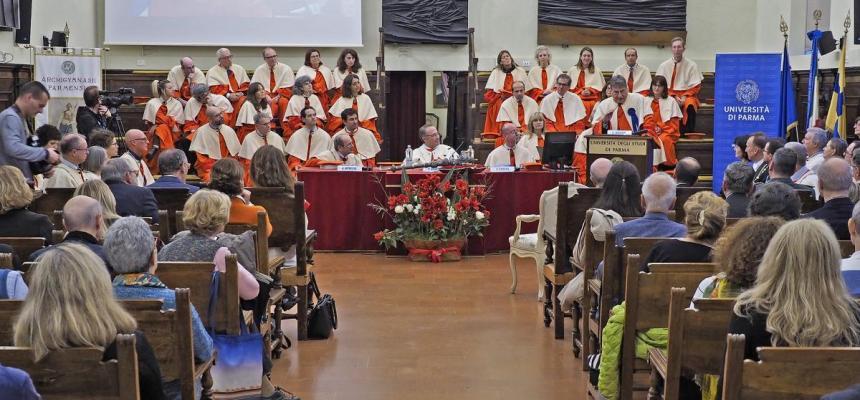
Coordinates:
<point>66,77</point>
<point>746,100</point>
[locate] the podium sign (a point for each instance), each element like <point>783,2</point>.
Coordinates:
<point>637,150</point>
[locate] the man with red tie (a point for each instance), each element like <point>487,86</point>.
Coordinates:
<point>685,82</point>
<point>212,142</point>
<point>638,76</point>
<point>262,136</point>
<point>364,144</point>
<point>432,149</point>
<point>517,109</point>
<point>137,144</point>
<point>228,79</point>
<point>307,142</point>
<point>562,109</point>
<point>509,153</point>
<point>278,79</point>
<point>183,76</point>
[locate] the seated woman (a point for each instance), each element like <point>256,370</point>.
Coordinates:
<point>257,102</point>
<point>705,218</point>
<point>268,169</point>
<point>227,177</point>
<point>532,139</point>
<point>92,166</point>
<point>355,98</point>
<point>100,191</point>
<point>15,219</point>
<point>348,64</point>
<point>303,96</point>
<point>72,282</point>
<point>801,263</point>
<point>131,250</point>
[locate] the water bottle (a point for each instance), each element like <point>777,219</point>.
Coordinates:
<point>407,158</point>
<point>471,152</point>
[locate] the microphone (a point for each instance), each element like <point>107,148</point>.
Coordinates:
<point>634,120</point>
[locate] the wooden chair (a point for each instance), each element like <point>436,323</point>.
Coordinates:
<point>261,239</point>
<point>696,341</point>
<point>784,373</point>
<point>558,270</point>
<point>6,261</point>
<point>682,194</point>
<point>170,200</point>
<point>170,335</point>
<point>9,310</point>
<point>197,276</point>
<point>584,339</point>
<point>529,245</point>
<point>80,373</point>
<point>647,306</point>
<point>24,246</point>
<point>846,248</point>
<point>52,200</point>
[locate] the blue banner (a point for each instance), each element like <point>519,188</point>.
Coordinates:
<point>746,100</point>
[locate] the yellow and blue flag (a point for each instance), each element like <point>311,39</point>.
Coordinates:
<point>836,114</point>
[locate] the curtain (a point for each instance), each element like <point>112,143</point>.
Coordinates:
<point>425,21</point>
<point>636,15</point>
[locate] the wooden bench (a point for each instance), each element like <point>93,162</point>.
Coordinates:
<point>696,341</point>
<point>682,194</point>
<point>788,372</point>
<point>9,310</point>
<point>170,334</point>
<point>846,248</point>
<point>647,306</point>
<point>584,338</point>
<point>808,202</point>
<point>80,373</point>
<point>170,200</point>
<point>24,246</point>
<point>54,199</point>
<point>159,230</point>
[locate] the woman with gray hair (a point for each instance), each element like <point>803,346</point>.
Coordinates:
<point>303,96</point>
<point>96,159</point>
<point>130,246</point>
<point>543,75</point>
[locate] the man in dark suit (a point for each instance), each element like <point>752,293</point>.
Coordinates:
<point>82,218</point>
<point>784,164</point>
<point>120,176</point>
<point>755,152</point>
<point>173,165</point>
<point>737,187</point>
<point>687,172</point>
<point>834,181</point>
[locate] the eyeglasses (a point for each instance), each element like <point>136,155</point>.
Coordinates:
<point>271,57</point>
<point>137,140</point>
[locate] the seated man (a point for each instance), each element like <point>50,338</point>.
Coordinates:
<point>563,111</point>
<point>262,136</point>
<point>687,172</point>
<point>307,142</point>
<point>508,153</point>
<point>120,176</point>
<point>851,265</point>
<point>834,181</point>
<point>364,144</point>
<point>68,173</point>
<point>658,198</point>
<point>814,140</point>
<point>599,170</point>
<point>775,199</point>
<point>195,109</point>
<point>174,168</point>
<point>213,142</point>
<point>137,144</point>
<point>783,165</point>
<point>343,152</point>
<point>183,77</point>
<point>737,188</point>
<point>431,149</point>
<point>228,79</point>
<point>685,82</point>
<point>517,109</point>
<point>802,175</point>
<point>755,153</point>
<point>84,222</point>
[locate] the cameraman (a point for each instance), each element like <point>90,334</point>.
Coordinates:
<point>15,129</point>
<point>93,114</point>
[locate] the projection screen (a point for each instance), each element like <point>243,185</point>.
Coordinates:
<point>279,23</point>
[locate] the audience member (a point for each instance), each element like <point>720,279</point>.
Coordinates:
<point>84,222</point>
<point>854,192</point>
<point>12,286</point>
<point>17,384</point>
<point>783,165</point>
<point>687,172</point>
<point>771,147</point>
<point>775,199</point>
<point>68,173</point>
<point>93,114</point>
<point>106,140</point>
<point>834,182</point>
<point>740,147</point>
<point>849,151</point>
<point>130,248</point>
<point>801,263</point>
<point>49,136</point>
<point>227,177</point>
<point>173,165</point>
<point>137,144</point>
<point>835,147</point>
<point>96,159</point>
<point>14,151</point>
<point>120,176</point>
<point>74,285</point>
<point>755,153</point>
<point>737,188</point>
<point>15,219</point>
<point>100,191</point>
<point>269,169</point>
<point>705,218</point>
<point>621,191</point>
<point>814,141</point>
<point>851,265</point>
<point>802,175</point>
<point>658,197</point>
<point>598,170</point>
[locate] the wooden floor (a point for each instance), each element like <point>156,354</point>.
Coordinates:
<point>430,331</point>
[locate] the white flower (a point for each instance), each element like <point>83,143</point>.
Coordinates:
<point>398,210</point>
<point>451,215</point>
<point>409,207</point>
<point>479,215</point>
<point>418,206</point>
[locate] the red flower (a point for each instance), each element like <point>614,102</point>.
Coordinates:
<point>446,187</point>
<point>402,199</point>
<point>475,204</point>
<point>408,187</point>
<point>392,201</point>
<point>437,224</point>
<point>378,235</point>
<point>461,185</point>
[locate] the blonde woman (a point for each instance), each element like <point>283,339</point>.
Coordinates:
<point>100,191</point>
<point>705,218</point>
<point>532,139</point>
<point>15,219</point>
<point>542,76</point>
<point>72,282</point>
<point>799,298</point>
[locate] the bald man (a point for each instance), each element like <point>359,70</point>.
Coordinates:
<point>658,198</point>
<point>137,144</point>
<point>834,181</point>
<point>278,79</point>
<point>212,142</point>
<point>687,172</point>
<point>183,76</point>
<point>84,221</point>
<point>228,79</point>
<point>509,153</point>
<point>599,170</point>
<point>343,152</point>
<point>68,173</point>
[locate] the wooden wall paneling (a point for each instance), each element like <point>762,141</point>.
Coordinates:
<point>564,35</point>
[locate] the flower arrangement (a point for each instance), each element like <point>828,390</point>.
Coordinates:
<point>432,209</point>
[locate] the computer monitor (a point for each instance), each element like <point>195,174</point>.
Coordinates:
<point>558,149</point>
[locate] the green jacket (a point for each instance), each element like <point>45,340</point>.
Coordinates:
<point>610,362</point>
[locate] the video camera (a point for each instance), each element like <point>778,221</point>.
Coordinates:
<point>116,98</point>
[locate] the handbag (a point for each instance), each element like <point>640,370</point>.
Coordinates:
<point>239,365</point>
<point>322,318</point>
